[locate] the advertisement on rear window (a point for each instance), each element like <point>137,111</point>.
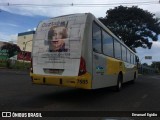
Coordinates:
<point>57,37</point>
<point>57,46</point>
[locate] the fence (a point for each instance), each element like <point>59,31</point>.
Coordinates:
<point>147,70</point>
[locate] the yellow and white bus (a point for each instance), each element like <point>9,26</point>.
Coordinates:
<point>78,51</point>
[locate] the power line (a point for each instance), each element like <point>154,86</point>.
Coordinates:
<point>79,5</point>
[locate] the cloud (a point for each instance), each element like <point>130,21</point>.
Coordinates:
<point>154,52</point>
<point>9,24</point>
<point>5,37</point>
<point>14,38</point>
<point>13,25</point>
<point>34,29</point>
<point>157,14</point>
<point>53,11</point>
<point>67,8</point>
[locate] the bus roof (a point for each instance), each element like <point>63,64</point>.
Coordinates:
<point>99,22</point>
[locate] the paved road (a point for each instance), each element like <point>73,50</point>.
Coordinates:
<point>17,94</point>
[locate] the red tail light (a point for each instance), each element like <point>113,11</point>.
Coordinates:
<point>82,67</point>
<point>31,67</point>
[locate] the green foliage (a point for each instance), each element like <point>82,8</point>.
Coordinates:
<point>156,65</point>
<point>3,55</point>
<point>145,64</point>
<point>3,63</point>
<point>19,65</point>
<point>133,25</point>
<point>12,49</point>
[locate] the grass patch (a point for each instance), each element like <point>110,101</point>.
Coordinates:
<point>20,65</point>
<point>3,63</point>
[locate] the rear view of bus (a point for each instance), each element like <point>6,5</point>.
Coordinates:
<point>57,54</point>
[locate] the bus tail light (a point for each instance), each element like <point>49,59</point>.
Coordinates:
<point>82,67</point>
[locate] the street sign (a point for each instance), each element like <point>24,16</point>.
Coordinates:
<point>148,57</point>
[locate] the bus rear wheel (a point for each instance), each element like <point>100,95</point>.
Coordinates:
<point>119,82</point>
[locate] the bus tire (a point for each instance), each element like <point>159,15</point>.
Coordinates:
<point>119,82</point>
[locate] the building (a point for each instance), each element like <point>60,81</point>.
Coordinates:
<point>25,41</point>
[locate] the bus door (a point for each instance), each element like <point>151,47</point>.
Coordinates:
<point>99,60</point>
<point>100,39</point>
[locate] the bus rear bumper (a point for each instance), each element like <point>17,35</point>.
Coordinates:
<point>83,81</point>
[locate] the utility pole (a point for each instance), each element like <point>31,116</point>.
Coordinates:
<point>147,58</point>
<point>25,44</point>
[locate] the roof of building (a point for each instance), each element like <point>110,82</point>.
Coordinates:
<point>26,33</point>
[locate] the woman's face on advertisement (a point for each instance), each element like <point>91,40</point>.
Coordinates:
<point>58,33</point>
<point>58,36</point>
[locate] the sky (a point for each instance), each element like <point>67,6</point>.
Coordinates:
<point>15,18</point>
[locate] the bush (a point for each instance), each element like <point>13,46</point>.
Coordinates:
<point>20,65</point>
<point>3,63</point>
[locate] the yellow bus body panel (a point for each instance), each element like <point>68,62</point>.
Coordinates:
<point>114,66</point>
<point>83,81</point>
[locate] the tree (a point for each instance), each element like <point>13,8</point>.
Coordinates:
<point>156,65</point>
<point>145,64</point>
<point>11,48</point>
<point>136,27</point>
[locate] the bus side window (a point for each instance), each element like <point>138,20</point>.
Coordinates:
<point>107,44</point>
<point>117,49</point>
<point>132,58</point>
<point>96,38</point>
<point>124,51</point>
<point>128,56</point>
